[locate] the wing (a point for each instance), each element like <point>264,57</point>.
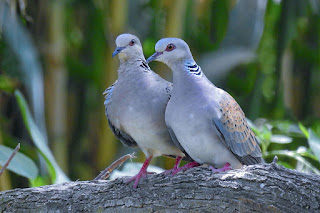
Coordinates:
<point>108,94</point>
<point>126,139</point>
<point>236,132</point>
<point>176,142</point>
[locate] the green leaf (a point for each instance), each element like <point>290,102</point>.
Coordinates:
<point>304,130</point>
<point>39,181</point>
<point>287,128</point>
<point>285,164</point>
<point>39,140</point>
<point>295,155</point>
<point>281,139</point>
<point>7,84</point>
<point>252,126</point>
<point>308,154</point>
<point>314,143</point>
<point>20,163</point>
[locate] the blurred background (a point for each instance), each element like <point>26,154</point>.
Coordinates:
<point>55,63</point>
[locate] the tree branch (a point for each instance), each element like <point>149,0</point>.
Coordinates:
<point>106,172</point>
<point>258,188</point>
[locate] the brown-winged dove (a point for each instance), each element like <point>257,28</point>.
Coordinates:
<point>204,121</point>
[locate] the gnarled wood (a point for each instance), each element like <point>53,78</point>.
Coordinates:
<point>258,188</point>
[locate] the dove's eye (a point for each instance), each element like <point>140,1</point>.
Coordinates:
<point>132,42</point>
<point>170,47</point>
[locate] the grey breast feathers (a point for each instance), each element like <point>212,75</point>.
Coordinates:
<point>126,139</point>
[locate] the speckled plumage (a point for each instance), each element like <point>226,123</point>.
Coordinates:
<point>236,131</point>
<point>206,121</point>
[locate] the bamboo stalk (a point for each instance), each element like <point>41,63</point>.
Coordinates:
<point>56,84</point>
<point>175,18</point>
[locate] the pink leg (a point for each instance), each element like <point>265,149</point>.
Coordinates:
<point>223,169</point>
<point>175,167</point>
<point>185,167</point>
<point>141,174</point>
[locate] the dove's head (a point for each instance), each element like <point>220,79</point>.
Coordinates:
<point>171,51</point>
<point>128,47</point>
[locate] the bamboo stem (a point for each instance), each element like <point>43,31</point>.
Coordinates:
<point>175,18</point>
<point>56,81</point>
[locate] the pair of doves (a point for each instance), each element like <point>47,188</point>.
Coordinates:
<point>190,119</point>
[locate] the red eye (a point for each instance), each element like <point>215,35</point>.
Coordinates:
<point>170,47</point>
<point>132,42</point>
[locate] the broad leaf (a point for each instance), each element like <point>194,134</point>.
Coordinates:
<point>39,140</point>
<point>281,139</point>
<point>20,163</point>
<point>314,143</point>
<point>304,130</point>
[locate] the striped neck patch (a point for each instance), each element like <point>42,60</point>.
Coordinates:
<point>194,69</point>
<point>144,65</point>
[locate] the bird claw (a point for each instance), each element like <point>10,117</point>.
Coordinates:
<point>175,167</point>
<point>178,170</point>
<point>142,174</point>
<point>175,170</point>
<point>171,172</point>
<point>223,169</point>
<point>187,166</point>
<point>137,178</point>
<point>167,172</point>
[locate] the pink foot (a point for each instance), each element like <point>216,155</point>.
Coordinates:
<point>175,167</point>
<point>223,169</point>
<point>185,167</point>
<point>142,173</point>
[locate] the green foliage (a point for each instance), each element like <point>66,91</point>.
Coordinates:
<point>304,130</point>
<point>7,84</point>
<point>314,143</point>
<point>277,136</point>
<point>20,164</point>
<point>56,174</point>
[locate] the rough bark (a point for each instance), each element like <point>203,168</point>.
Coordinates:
<point>258,188</point>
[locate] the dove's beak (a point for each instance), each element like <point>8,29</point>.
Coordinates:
<point>154,57</point>
<point>117,51</point>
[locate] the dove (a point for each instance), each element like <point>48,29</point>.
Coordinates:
<point>204,120</point>
<point>135,106</point>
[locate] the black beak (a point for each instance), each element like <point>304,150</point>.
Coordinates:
<point>117,51</point>
<point>154,57</point>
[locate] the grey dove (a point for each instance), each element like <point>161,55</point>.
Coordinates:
<point>135,105</point>
<point>204,120</point>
